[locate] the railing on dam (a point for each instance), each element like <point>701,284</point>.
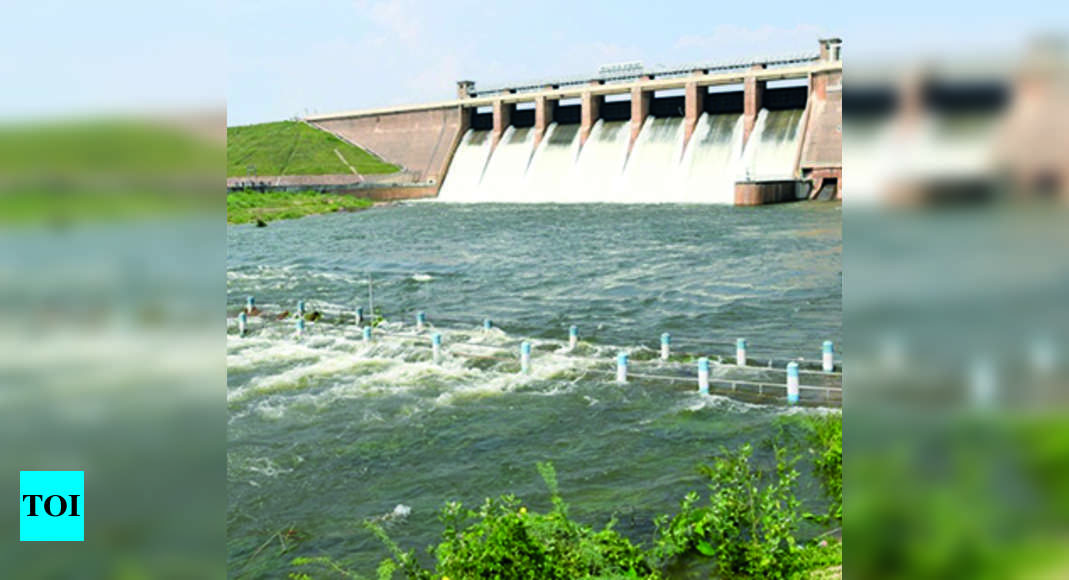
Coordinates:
<point>637,74</point>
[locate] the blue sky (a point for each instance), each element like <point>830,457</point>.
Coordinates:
<point>273,60</point>
<point>330,56</point>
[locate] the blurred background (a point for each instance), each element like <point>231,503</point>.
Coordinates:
<point>955,285</point>
<point>112,254</point>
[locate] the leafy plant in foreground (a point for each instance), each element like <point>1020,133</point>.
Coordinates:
<point>748,525</point>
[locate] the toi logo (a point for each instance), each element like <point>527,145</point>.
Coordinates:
<point>52,506</point>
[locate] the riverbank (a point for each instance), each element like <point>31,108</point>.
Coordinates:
<point>250,206</point>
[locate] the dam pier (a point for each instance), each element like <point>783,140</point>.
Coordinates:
<point>744,132</point>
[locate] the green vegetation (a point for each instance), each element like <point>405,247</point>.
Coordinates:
<point>61,173</point>
<point>746,528</point>
<point>118,150</point>
<point>249,206</point>
<point>294,148</point>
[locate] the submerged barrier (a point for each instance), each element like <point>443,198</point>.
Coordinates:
<point>789,390</point>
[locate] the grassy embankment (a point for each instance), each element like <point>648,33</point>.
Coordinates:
<point>293,148</point>
<point>248,206</point>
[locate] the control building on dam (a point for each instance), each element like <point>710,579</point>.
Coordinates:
<point>746,132</point>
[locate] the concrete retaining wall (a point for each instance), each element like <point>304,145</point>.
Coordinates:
<point>765,192</point>
<point>420,141</point>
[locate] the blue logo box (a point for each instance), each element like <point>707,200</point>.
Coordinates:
<point>52,506</point>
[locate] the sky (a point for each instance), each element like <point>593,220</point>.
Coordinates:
<point>273,60</point>
<point>343,55</point>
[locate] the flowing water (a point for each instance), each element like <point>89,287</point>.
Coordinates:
<point>326,431</point>
<point>603,170</point>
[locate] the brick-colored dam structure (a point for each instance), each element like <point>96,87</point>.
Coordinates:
<point>423,138</point>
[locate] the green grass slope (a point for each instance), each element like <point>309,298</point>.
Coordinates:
<point>293,148</point>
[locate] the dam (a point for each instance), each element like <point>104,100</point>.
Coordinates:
<point>744,132</point>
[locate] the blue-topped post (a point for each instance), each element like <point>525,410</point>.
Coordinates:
<point>621,367</point>
<point>487,325</point>
<point>436,347</point>
<point>828,356</point>
<point>359,315</point>
<point>421,320</point>
<point>243,322</point>
<point>367,334</point>
<point>300,308</point>
<point>740,352</point>
<point>792,382</point>
<point>525,357</point>
<point>300,326</point>
<point>703,376</point>
<point>250,304</point>
<point>573,337</point>
<point>666,340</point>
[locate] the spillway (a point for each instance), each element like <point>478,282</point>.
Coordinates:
<point>652,168</point>
<point>599,171</point>
<point>772,150</point>
<point>466,171</point>
<point>659,168</point>
<point>506,171</point>
<point>550,176</point>
<point>712,160</point>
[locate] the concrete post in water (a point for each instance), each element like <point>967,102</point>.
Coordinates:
<point>621,367</point>
<point>367,334</point>
<point>487,325</point>
<point>525,357</point>
<point>792,382</point>
<point>740,352</point>
<point>359,315</point>
<point>421,320</point>
<point>703,376</point>
<point>828,356</point>
<point>300,308</point>
<point>573,337</point>
<point>250,304</point>
<point>243,321</point>
<point>666,340</point>
<point>300,326</point>
<point>436,347</point>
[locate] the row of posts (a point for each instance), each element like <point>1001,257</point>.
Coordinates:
<point>827,354</point>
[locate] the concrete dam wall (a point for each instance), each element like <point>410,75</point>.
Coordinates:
<point>742,133</point>
<point>420,141</point>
